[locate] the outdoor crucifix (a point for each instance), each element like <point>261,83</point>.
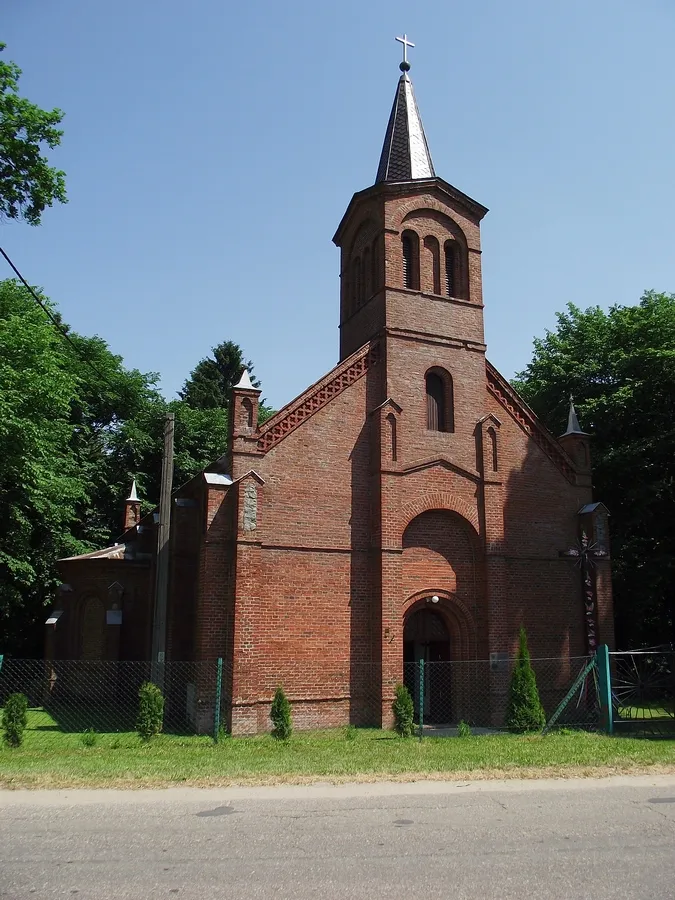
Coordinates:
<point>585,554</point>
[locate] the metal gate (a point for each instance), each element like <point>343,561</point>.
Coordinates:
<point>643,691</point>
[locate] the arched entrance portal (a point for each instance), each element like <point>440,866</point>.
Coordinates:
<point>426,637</point>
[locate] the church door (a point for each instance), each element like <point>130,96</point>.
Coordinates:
<point>425,637</point>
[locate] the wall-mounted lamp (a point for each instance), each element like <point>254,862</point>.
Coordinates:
<point>435,599</point>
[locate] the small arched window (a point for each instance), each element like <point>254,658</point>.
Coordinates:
<point>451,260</point>
<point>492,443</point>
<point>411,255</point>
<point>433,261</point>
<point>440,401</point>
<point>391,422</point>
<point>248,412</point>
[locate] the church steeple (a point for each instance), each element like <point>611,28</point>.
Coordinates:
<point>405,153</point>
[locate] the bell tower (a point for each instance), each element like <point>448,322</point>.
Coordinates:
<point>410,275</point>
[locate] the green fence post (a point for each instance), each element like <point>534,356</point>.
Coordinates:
<point>2,656</point>
<point>421,693</point>
<point>605,688</point>
<point>219,693</point>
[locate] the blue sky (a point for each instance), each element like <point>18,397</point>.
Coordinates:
<point>211,149</point>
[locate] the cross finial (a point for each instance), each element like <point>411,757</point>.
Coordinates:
<point>405,65</point>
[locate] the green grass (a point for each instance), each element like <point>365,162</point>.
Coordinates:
<point>52,758</point>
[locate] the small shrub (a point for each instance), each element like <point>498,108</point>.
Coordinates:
<point>150,711</point>
<point>524,711</point>
<point>280,714</point>
<point>404,711</point>
<point>15,719</point>
<point>89,737</point>
<point>463,729</point>
<point>351,732</point>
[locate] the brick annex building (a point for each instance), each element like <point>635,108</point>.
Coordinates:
<point>408,505</point>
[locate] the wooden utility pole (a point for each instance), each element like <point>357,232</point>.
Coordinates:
<point>163,548</point>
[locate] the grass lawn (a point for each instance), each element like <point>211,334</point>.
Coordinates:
<point>51,758</point>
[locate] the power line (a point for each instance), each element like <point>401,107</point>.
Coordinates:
<point>55,322</point>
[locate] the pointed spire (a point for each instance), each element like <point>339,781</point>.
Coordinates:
<point>405,153</point>
<point>245,382</point>
<point>573,426</point>
<point>133,495</point>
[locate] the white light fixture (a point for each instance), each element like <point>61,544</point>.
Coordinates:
<point>435,599</point>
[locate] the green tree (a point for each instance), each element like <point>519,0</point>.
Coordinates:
<point>27,183</point>
<point>404,711</point>
<point>40,486</point>
<point>211,381</point>
<point>280,714</point>
<point>620,367</point>
<point>524,711</point>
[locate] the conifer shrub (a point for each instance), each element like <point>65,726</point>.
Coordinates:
<point>15,719</point>
<point>150,711</point>
<point>463,729</point>
<point>404,711</point>
<point>280,714</point>
<point>524,711</point>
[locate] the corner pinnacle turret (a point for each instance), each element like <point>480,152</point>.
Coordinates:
<point>405,153</point>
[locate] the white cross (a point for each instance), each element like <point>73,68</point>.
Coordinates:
<point>406,43</point>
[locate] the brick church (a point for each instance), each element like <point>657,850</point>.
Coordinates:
<point>408,505</point>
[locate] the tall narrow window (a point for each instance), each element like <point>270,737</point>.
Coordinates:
<point>435,402</point>
<point>492,438</point>
<point>375,273</point>
<point>433,263</point>
<point>391,421</point>
<point>410,249</point>
<point>440,401</point>
<point>367,291</point>
<point>450,269</point>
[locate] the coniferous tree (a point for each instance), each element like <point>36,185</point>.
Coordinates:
<point>524,711</point>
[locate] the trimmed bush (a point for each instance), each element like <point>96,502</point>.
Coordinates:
<point>463,729</point>
<point>15,719</point>
<point>89,737</point>
<point>150,710</point>
<point>524,711</point>
<point>280,714</point>
<point>404,711</point>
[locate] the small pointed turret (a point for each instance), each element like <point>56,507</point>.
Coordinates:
<point>132,508</point>
<point>405,153</point>
<point>245,382</point>
<point>573,426</point>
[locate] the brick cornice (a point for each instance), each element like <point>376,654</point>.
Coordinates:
<point>526,419</point>
<point>317,396</point>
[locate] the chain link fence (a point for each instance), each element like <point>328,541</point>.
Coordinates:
<point>476,692</point>
<point>85,694</point>
<point>103,695</point>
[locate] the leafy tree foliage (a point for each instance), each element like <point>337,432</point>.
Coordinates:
<point>76,426</point>
<point>620,367</point>
<point>27,183</point>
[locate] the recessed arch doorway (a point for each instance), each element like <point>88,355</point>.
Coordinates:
<point>426,637</point>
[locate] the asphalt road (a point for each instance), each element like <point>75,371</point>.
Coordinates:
<point>596,839</point>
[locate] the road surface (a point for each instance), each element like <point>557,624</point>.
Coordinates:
<point>606,838</point>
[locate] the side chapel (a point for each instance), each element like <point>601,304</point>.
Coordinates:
<point>408,505</point>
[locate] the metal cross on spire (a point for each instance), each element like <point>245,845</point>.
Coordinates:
<point>405,65</point>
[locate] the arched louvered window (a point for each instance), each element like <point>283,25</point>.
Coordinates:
<point>433,263</point>
<point>450,269</point>
<point>410,249</point>
<point>440,401</point>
